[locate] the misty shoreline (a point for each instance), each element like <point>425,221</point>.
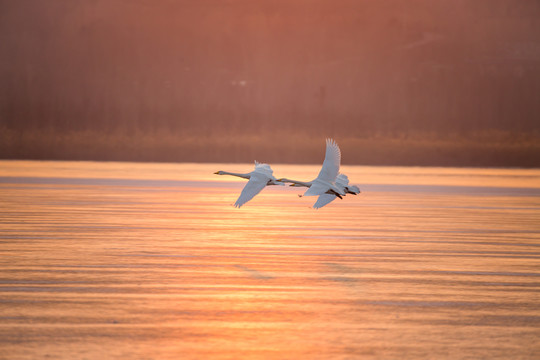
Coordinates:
<point>487,149</point>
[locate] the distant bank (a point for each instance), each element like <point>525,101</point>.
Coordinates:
<point>486,149</point>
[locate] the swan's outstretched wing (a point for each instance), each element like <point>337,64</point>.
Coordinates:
<point>330,167</point>
<point>323,200</point>
<point>256,183</point>
<point>264,169</point>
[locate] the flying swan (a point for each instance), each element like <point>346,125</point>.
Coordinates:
<point>329,184</point>
<point>258,179</point>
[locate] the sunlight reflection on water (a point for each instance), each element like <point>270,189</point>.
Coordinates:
<point>144,261</point>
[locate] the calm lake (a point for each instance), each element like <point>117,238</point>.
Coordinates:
<point>151,261</point>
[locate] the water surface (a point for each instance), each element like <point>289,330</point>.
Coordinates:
<point>152,261</point>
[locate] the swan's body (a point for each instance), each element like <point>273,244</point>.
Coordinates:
<point>329,184</point>
<point>258,180</point>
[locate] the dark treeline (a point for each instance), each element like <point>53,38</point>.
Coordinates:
<point>212,68</point>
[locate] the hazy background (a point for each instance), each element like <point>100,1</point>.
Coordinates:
<point>417,82</point>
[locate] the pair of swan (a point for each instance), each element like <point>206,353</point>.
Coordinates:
<point>328,185</point>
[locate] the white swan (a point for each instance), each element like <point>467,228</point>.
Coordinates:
<point>258,179</point>
<point>329,184</point>
<point>325,181</point>
<point>342,181</point>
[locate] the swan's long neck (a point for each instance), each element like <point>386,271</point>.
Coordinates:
<point>297,183</point>
<point>245,176</point>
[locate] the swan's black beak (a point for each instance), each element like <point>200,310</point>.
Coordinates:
<point>217,173</point>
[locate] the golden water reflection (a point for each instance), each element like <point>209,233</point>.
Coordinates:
<point>117,260</point>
